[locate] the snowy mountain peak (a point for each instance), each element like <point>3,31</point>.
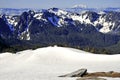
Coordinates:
<point>80,6</point>
<point>57,11</point>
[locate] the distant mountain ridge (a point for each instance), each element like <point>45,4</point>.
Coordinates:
<point>56,26</point>
<point>76,8</point>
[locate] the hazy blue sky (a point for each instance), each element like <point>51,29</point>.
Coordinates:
<point>57,3</point>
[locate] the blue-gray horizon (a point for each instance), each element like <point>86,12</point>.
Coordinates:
<point>45,4</point>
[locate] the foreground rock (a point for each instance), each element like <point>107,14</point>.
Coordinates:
<point>91,78</point>
<point>78,73</point>
<point>83,73</point>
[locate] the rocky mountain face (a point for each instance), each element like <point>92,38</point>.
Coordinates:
<point>59,27</point>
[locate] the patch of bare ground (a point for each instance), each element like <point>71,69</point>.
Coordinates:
<point>90,78</point>
<point>103,74</point>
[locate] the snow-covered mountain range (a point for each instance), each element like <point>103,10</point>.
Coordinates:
<point>103,22</point>
<point>56,25</point>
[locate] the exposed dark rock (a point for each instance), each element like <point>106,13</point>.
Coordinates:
<point>5,30</point>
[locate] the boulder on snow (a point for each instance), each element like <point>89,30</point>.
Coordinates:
<point>78,73</point>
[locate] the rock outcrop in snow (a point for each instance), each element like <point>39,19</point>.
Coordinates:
<point>78,73</point>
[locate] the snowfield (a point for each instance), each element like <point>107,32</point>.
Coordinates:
<point>50,62</point>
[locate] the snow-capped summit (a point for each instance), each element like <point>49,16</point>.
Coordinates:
<point>57,11</point>
<point>80,6</point>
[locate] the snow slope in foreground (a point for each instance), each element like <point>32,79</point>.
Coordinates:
<point>50,62</point>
